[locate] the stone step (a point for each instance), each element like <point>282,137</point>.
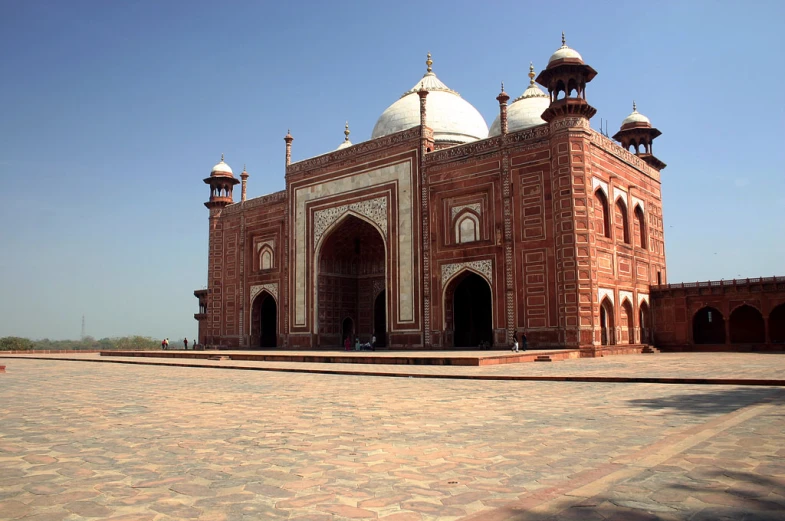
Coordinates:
<point>650,350</point>
<point>543,358</point>
<point>221,357</point>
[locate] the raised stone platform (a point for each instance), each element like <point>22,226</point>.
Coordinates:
<point>454,358</point>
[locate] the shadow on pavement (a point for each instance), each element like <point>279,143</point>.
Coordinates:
<point>713,402</point>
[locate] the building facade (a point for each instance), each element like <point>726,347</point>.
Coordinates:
<point>439,233</point>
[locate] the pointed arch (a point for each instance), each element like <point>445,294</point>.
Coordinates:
<point>266,257</point>
<point>777,325</point>
<point>607,322</point>
<point>467,227</point>
<point>626,322</point>
<point>643,321</point>
<point>708,326</point>
<point>264,320</point>
<point>640,227</point>
<point>468,313</point>
<point>601,212</point>
<point>622,222</point>
<point>747,325</point>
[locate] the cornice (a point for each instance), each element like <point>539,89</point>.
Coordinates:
<point>615,150</point>
<point>275,197</point>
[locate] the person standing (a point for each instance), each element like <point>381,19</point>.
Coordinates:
<point>373,342</point>
<point>185,343</point>
<point>514,344</point>
<point>523,341</point>
<point>163,344</point>
<point>166,343</point>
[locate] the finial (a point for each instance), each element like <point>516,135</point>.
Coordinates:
<point>502,86</point>
<point>346,131</point>
<point>243,167</point>
<point>429,62</point>
<point>531,73</point>
<point>563,40</point>
<point>222,157</point>
<point>634,108</point>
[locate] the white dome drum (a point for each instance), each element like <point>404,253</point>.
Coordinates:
<point>452,119</point>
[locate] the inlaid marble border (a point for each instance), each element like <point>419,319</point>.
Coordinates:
<point>605,292</point>
<point>272,289</point>
<point>373,209</point>
<point>485,267</point>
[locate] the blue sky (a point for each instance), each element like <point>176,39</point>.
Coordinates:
<point>114,112</point>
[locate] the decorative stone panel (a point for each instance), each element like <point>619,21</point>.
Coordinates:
<point>595,182</point>
<point>485,267</point>
<point>605,292</point>
<point>475,207</point>
<point>271,288</point>
<point>373,209</point>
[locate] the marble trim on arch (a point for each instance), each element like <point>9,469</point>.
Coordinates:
<point>619,193</point>
<point>605,292</point>
<point>476,207</point>
<point>482,266</point>
<point>637,201</point>
<point>373,209</point>
<point>627,295</point>
<point>595,182</point>
<point>643,297</point>
<point>271,288</point>
<point>260,245</point>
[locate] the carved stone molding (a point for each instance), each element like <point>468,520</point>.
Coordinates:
<point>270,243</point>
<point>271,288</point>
<point>470,149</point>
<point>485,267</point>
<point>570,123</point>
<point>373,209</point>
<point>476,207</point>
<point>614,149</point>
<point>378,287</point>
<point>273,198</point>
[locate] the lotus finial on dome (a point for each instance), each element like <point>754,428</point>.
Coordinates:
<point>429,62</point>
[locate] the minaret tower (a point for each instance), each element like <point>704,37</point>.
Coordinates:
<point>244,176</point>
<point>636,132</point>
<point>221,183</point>
<point>288,138</point>
<point>567,74</point>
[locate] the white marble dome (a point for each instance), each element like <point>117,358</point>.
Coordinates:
<point>453,119</point>
<point>525,111</point>
<point>564,52</point>
<point>221,168</point>
<point>635,117</point>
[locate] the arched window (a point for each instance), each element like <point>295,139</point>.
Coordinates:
<point>467,228</point>
<point>640,225</point>
<point>266,258</point>
<point>708,326</point>
<point>747,326</point>
<point>601,213</point>
<point>621,221</point>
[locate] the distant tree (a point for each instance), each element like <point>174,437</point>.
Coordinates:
<point>15,343</point>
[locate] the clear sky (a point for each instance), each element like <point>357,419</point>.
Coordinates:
<point>114,112</point>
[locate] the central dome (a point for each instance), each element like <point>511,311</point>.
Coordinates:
<point>453,119</point>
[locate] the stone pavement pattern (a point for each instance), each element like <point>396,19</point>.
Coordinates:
<point>133,442</point>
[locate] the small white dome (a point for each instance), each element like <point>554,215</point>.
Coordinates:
<point>221,167</point>
<point>525,111</point>
<point>564,52</point>
<point>635,117</point>
<point>452,118</point>
<point>345,144</point>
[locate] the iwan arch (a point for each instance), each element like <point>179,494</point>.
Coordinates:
<point>438,233</point>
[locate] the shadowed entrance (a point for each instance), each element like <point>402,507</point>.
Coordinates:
<point>264,321</point>
<point>471,310</point>
<point>708,326</point>
<point>351,264</point>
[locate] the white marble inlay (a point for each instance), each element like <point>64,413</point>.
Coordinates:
<point>484,267</point>
<point>270,243</point>
<point>595,182</point>
<point>643,297</point>
<point>475,207</point>
<point>626,295</point>
<point>605,292</point>
<point>619,193</point>
<point>638,202</point>
<point>271,288</point>
<point>399,173</point>
<point>373,209</point>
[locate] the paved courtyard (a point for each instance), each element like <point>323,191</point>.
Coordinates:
<point>127,442</point>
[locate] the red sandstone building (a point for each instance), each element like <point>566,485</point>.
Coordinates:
<point>438,233</point>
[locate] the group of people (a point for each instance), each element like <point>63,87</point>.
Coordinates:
<point>165,344</point>
<point>515,345</point>
<point>368,346</point>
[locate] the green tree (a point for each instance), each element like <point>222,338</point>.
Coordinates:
<point>15,343</point>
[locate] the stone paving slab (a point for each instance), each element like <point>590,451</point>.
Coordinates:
<point>722,368</point>
<point>133,442</point>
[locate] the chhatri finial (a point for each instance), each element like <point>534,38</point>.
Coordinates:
<point>243,167</point>
<point>429,62</point>
<point>222,157</point>
<point>502,86</point>
<point>531,73</point>
<point>346,131</point>
<point>634,108</point>
<point>563,40</point>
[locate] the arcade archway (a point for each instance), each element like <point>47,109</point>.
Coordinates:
<point>777,325</point>
<point>643,321</point>
<point>264,321</point>
<point>351,263</point>
<point>708,326</point>
<point>747,326</point>
<point>627,324</point>
<point>607,322</point>
<point>470,310</point>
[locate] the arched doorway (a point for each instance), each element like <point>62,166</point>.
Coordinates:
<point>777,325</point>
<point>264,321</point>
<point>747,326</point>
<point>380,319</point>
<point>347,330</point>
<point>471,310</point>
<point>351,263</point>
<point>627,323</point>
<point>708,326</point>
<point>607,323</point>
<point>643,321</point>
